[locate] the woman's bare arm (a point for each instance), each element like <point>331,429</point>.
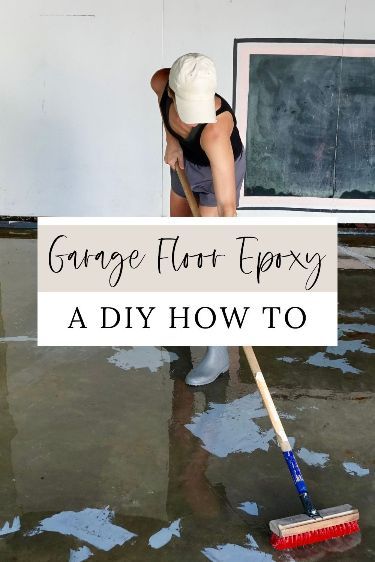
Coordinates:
<point>173,150</point>
<point>159,81</point>
<point>215,141</point>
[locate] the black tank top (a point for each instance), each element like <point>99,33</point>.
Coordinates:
<point>191,146</point>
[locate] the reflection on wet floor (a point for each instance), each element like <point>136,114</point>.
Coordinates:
<point>106,454</point>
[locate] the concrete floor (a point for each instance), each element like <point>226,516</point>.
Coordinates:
<point>105,454</point>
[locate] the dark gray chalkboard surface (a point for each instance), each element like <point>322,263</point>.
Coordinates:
<point>311,126</point>
<point>355,164</point>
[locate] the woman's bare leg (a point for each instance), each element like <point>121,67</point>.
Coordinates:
<point>179,207</point>
<point>208,211</point>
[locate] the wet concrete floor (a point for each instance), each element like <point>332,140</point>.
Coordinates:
<point>105,453</point>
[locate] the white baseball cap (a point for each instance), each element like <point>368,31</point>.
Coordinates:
<point>193,80</point>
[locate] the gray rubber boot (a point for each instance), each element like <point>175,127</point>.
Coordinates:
<point>213,364</point>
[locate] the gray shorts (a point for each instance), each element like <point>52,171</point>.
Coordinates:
<point>200,179</point>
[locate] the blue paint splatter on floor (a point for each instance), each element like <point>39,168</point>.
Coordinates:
<point>250,541</point>
<point>230,428</point>
<point>312,458</point>
<point>349,345</point>
<point>334,356</point>
<point>320,359</point>
<point>140,357</point>
<point>9,339</point>
<point>6,529</point>
<point>287,359</point>
<point>360,328</point>
<point>162,537</point>
<point>361,313</point>
<point>93,526</point>
<point>249,507</point>
<point>80,555</point>
<point>354,469</point>
<point>236,553</point>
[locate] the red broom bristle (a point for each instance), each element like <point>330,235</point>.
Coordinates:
<point>311,537</point>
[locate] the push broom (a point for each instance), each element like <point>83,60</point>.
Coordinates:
<point>312,526</point>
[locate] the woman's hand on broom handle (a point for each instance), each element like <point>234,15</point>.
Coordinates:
<point>173,152</point>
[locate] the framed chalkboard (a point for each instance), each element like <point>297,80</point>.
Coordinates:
<point>306,110</point>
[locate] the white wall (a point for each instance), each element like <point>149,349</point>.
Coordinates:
<point>80,129</point>
<point>212,25</point>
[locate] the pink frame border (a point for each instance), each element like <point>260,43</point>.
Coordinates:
<point>244,50</point>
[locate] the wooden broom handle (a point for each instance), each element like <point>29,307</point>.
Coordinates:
<point>267,399</point>
<point>249,352</point>
<point>188,192</point>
